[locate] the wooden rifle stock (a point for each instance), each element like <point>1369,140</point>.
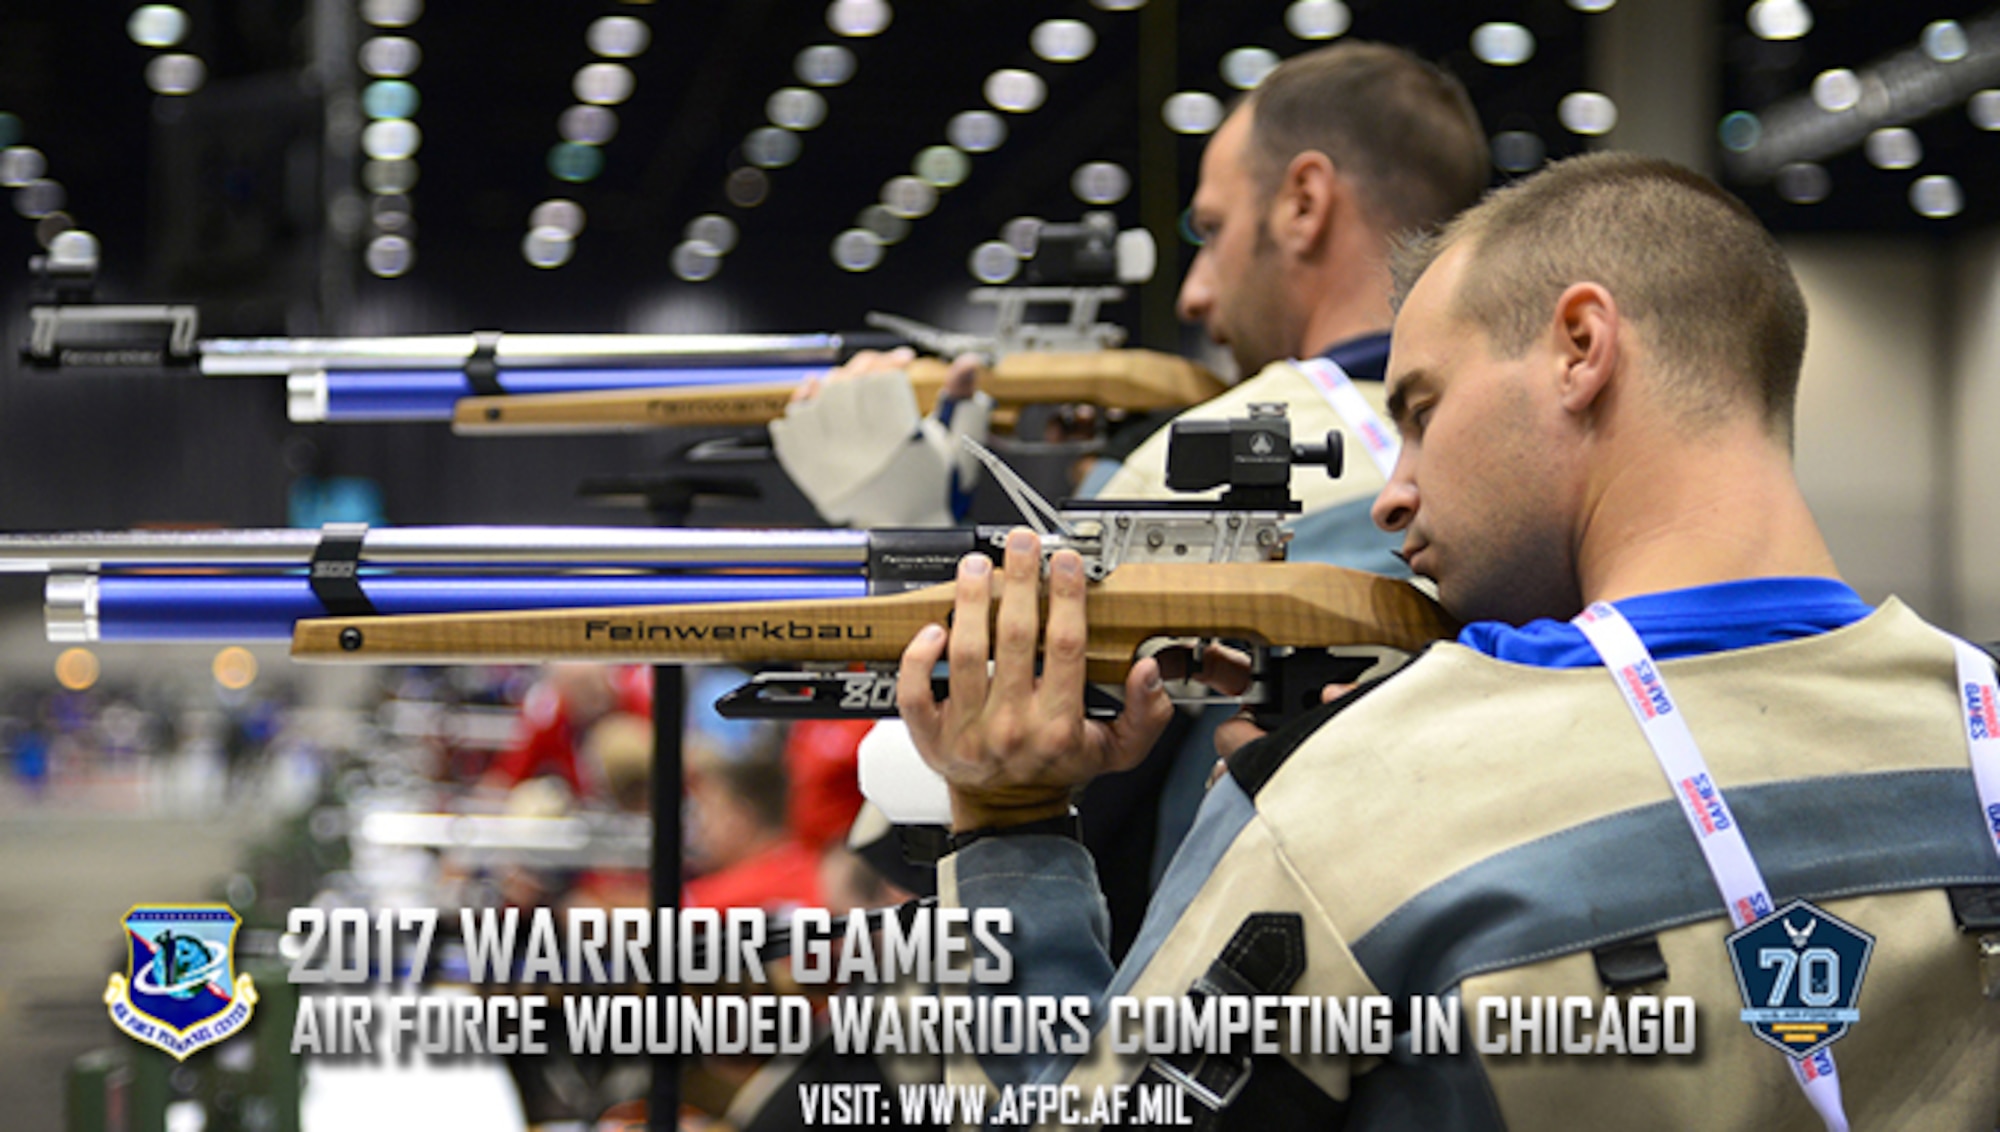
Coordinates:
<point>1119,379</point>
<point>1295,604</point>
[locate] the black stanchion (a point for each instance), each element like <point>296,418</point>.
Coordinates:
<point>668,719</point>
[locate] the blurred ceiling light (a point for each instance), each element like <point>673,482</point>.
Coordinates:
<point>1984,109</point>
<point>908,197</point>
<point>857,249</point>
<point>1015,91</point>
<point>618,37</point>
<point>391,139</point>
<point>1502,44</point>
<point>391,56</point>
<point>1592,5</point>
<point>887,226</point>
<point>1023,234</point>
<point>795,108</point>
<point>713,229</point>
<point>157,25</point>
<point>1245,67</point>
<point>563,215</point>
<point>828,64</point>
<point>1740,131</point>
<point>77,669</point>
<point>1318,19</point>
<point>1120,5</point>
<point>1780,19</point>
<point>588,125</point>
<point>942,166</point>
<point>390,256</point>
<point>20,164</point>
<point>1518,151</point>
<point>1945,41</point>
<point>391,13</point>
<point>858,17</point>
<point>390,98</point>
<point>1100,182</point>
<point>1063,41</point>
<point>976,131</point>
<point>546,246</point>
<point>1192,112</point>
<point>1836,90</point>
<point>176,74</point>
<point>994,262</point>
<point>387,177</point>
<point>769,147</point>
<point>695,261</point>
<point>603,84</point>
<point>1937,197</point>
<point>746,187</point>
<point>575,163</point>
<point>1587,112</point>
<point>1894,147</point>
<point>37,199</point>
<point>52,226</point>
<point>1803,182</point>
<point>234,668</point>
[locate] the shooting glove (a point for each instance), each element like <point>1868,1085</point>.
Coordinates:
<point>865,457</point>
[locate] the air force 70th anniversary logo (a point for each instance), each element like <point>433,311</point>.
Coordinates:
<point>1800,973</point>
<point>182,992</point>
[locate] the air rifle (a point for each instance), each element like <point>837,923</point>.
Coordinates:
<point>487,381</point>
<point>490,382</point>
<point>834,609</point>
<point>1161,573</point>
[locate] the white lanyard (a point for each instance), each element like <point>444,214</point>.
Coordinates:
<point>1715,830</point>
<point>1333,384</point>
<point>1977,696</point>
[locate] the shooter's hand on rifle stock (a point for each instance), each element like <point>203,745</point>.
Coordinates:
<point>1013,746</point>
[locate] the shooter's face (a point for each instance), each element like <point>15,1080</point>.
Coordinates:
<point>1236,285</point>
<point>1482,490</point>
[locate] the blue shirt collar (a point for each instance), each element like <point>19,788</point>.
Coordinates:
<point>1688,622</point>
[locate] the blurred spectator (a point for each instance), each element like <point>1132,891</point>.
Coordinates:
<point>822,760</point>
<point>558,710</point>
<point>737,837</point>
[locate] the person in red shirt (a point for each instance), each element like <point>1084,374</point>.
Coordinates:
<point>559,709</point>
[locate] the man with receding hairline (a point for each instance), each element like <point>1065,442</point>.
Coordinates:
<point>1303,189</point>
<point>1666,720</point>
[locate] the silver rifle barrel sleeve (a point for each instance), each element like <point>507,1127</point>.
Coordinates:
<point>565,547</point>
<point>307,399</point>
<point>270,357</point>
<point>69,604</point>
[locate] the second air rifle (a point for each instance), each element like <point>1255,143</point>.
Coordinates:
<point>489,382</point>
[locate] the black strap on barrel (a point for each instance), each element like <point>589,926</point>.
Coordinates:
<point>336,570</point>
<point>482,369</point>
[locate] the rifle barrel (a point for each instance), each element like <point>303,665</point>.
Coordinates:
<point>156,607</point>
<point>272,357</point>
<point>467,546</point>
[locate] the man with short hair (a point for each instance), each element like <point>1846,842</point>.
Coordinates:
<point>1303,189</point>
<point>1593,376</point>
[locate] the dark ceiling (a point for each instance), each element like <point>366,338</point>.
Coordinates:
<point>217,198</point>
